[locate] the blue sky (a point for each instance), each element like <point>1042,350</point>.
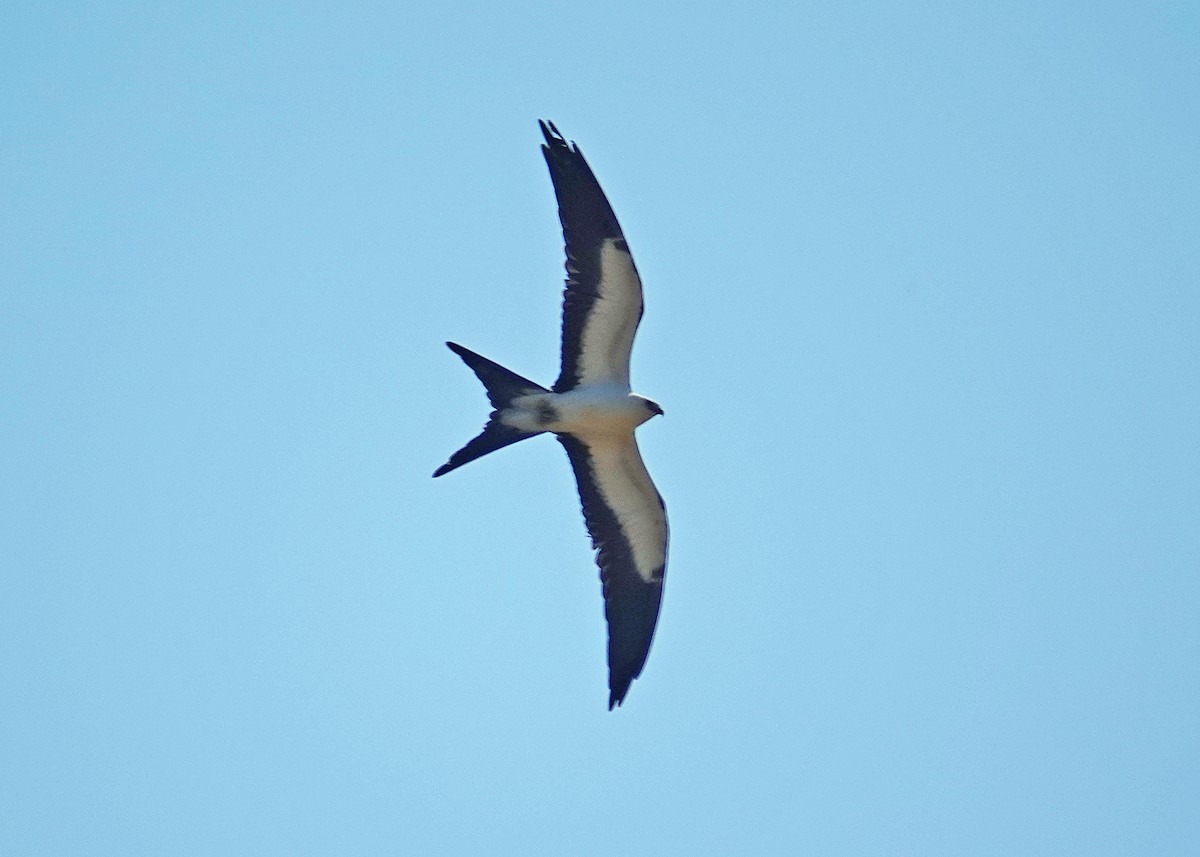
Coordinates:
<point>922,310</point>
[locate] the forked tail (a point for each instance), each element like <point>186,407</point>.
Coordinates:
<point>502,387</point>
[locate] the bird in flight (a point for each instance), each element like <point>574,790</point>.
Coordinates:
<point>592,412</point>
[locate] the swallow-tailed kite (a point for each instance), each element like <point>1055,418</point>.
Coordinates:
<point>592,412</point>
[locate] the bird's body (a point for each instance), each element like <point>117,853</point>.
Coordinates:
<point>592,412</point>
<point>597,410</point>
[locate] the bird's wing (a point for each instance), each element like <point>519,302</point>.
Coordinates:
<point>628,524</point>
<point>602,302</point>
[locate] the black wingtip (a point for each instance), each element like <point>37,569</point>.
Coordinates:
<point>554,137</point>
<point>550,132</point>
<point>617,693</point>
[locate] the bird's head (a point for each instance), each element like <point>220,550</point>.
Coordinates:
<point>653,407</point>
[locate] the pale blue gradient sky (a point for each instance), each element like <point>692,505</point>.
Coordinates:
<point>923,303</point>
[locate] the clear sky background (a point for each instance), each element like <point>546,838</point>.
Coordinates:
<point>923,310</point>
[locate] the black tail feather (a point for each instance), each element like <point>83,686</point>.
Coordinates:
<point>502,387</point>
<point>495,435</point>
